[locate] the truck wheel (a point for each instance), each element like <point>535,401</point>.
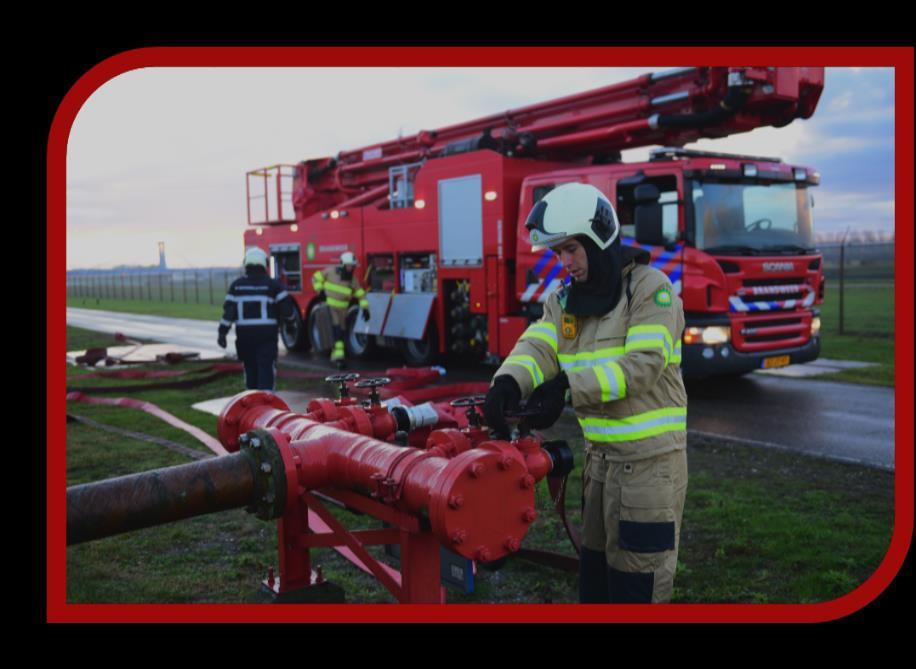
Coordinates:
<point>318,329</point>
<point>422,352</point>
<point>293,334</point>
<point>359,346</point>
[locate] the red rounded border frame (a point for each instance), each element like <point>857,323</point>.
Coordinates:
<point>58,610</point>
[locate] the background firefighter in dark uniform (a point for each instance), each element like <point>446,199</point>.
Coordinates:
<point>613,340</point>
<point>254,303</point>
<point>339,284</point>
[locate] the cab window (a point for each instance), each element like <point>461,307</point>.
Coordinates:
<point>667,187</point>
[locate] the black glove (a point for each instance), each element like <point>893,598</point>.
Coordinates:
<point>221,340</point>
<point>503,396</point>
<point>547,401</point>
<point>365,314</point>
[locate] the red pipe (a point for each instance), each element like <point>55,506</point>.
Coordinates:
<point>259,409</point>
<point>479,502</point>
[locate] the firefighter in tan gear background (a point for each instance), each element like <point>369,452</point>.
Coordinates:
<point>339,284</point>
<point>612,339</point>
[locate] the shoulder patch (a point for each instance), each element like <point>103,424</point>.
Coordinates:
<point>663,296</point>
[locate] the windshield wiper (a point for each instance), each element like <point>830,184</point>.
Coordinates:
<point>790,248</point>
<point>739,249</point>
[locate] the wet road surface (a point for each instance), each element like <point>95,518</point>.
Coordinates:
<point>840,421</point>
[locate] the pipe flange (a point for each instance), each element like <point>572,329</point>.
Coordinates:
<point>270,473</point>
<point>228,425</point>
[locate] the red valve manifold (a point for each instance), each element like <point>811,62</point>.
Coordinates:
<point>479,497</point>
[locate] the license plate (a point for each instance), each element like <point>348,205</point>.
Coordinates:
<point>778,361</point>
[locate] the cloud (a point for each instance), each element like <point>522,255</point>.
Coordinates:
<point>162,152</point>
<point>836,210</point>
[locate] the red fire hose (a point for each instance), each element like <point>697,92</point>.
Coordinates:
<point>153,410</point>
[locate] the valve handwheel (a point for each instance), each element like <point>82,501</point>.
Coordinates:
<point>342,379</point>
<point>470,401</point>
<point>374,384</point>
<point>474,418</point>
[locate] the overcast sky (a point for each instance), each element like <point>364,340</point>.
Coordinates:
<point>160,154</point>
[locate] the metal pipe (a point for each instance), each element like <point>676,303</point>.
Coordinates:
<point>105,508</point>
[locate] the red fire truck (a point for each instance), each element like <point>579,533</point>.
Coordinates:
<point>437,220</point>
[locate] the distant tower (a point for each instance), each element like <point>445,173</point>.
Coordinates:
<point>162,256</point>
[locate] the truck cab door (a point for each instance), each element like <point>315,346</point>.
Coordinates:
<point>647,197</point>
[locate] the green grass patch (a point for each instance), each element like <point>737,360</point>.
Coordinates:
<point>868,309</point>
<point>206,312</point>
<point>768,526</point>
<point>868,331</point>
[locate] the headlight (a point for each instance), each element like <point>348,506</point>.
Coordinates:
<point>815,326</point>
<point>716,335</point>
<point>709,336</point>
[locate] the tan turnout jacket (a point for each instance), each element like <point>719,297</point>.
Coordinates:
<point>623,367</point>
<point>338,290</point>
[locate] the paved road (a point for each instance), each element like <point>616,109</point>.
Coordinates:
<point>840,421</point>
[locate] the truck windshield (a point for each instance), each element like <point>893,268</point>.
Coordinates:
<point>752,218</point>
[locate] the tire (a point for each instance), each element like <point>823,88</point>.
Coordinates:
<point>422,352</point>
<point>293,334</point>
<point>314,325</point>
<point>359,346</point>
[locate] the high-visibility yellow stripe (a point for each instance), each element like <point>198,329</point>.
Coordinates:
<point>676,358</point>
<point>337,304</point>
<point>364,304</point>
<point>614,351</point>
<point>613,387</point>
<point>579,361</point>
<point>543,336</point>
<point>633,428</point>
<point>621,379</point>
<point>336,288</point>
<point>529,363</point>
<point>603,383</point>
<point>647,328</point>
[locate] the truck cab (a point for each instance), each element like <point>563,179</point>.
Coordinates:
<point>733,233</point>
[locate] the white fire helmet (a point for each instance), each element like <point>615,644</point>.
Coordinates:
<point>255,256</point>
<point>347,258</point>
<point>569,210</point>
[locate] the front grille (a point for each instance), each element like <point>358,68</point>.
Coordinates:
<point>774,285</point>
<point>785,281</point>
<point>761,331</point>
<point>775,323</point>
<point>766,338</point>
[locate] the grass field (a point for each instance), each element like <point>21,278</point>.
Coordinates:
<point>868,331</point>
<point>759,525</point>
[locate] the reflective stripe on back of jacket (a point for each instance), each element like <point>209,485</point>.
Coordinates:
<point>338,291</point>
<point>623,367</point>
<point>255,304</point>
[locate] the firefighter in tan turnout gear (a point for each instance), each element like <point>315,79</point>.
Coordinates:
<point>612,339</point>
<point>339,284</point>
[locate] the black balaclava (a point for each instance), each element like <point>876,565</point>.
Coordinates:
<point>345,274</point>
<point>601,292</point>
<point>255,270</point>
